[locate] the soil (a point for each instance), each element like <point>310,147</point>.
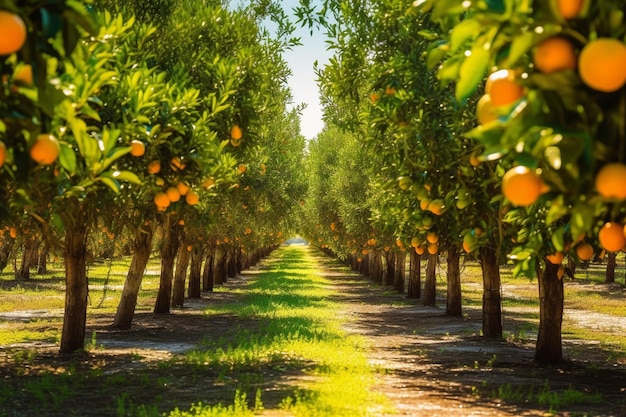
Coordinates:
<point>431,364</point>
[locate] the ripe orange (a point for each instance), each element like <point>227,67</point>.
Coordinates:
<point>485,110</point>
<point>3,153</point>
<point>45,150</point>
<point>554,54</point>
<point>611,181</point>
<point>242,168</point>
<point>390,91</point>
<point>433,248</point>
<point>466,246</point>
<point>137,148</point>
<point>522,186</point>
<point>436,207</point>
<point>154,167</point>
<point>419,250</point>
<point>13,232</point>
<point>424,204</point>
<point>602,64</point>
<point>177,163</point>
<point>584,251</point>
<point>501,85</point>
<point>24,75</point>
<point>161,200</point>
<point>611,236</point>
<point>432,237</point>
<point>374,97</point>
<point>192,198</point>
<point>236,133</point>
<point>12,32</point>
<point>173,194</point>
<point>333,226</point>
<point>569,9</point>
<point>555,258</point>
<point>182,188</point>
<point>415,241</point>
<point>208,183</point>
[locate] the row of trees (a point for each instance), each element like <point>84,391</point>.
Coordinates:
<point>159,124</point>
<point>473,126</point>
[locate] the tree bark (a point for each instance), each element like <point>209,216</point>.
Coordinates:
<point>195,272</point>
<point>169,249</point>
<point>30,247</point>
<point>610,267</point>
<point>415,276</point>
<point>453,295</point>
<point>182,265</point>
<point>6,245</point>
<point>142,248</point>
<point>399,278</point>
<point>492,303</point>
<point>390,270</point>
<point>76,291</point>
<point>42,259</point>
<point>207,273</point>
<point>219,274</point>
<point>549,347</point>
<point>430,283</point>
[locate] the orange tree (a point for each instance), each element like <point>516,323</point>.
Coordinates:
<point>556,81</point>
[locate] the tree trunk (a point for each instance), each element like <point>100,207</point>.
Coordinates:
<point>169,250</point>
<point>219,274</point>
<point>492,305</point>
<point>610,267</point>
<point>453,295</point>
<point>142,247</point>
<point>390,270</point>
<point>6,245</point>
<point>195,272</point>
<point>570,269</point>
<point>399,278</point>
<point>415,276</point>
<point>30,248</point>
<point>207,273</point>
<point>430,283</point>
<point>42,259</point>
<point>182,264</point>
<point>76,291</point>
<point>549,347</point>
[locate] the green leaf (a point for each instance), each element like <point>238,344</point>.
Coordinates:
<point>462,32</point>
<point>112,183</point>
<point>67,158</point>
<point>519,48</point>
<point>113,156</point>
<point>472,72</point>
<point>127,176</point>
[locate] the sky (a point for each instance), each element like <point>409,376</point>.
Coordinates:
<point>303,80</point>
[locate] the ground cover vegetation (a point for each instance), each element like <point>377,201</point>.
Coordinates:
<point>156,143</point>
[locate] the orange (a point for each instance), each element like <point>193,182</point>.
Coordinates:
<point>24,75</point>
<point>242,168</point>
<point>611,181</point>
<point>12,32</point>
<point>181,222</point>
<point>192,198</point>
<point>173,194</point>
<point>154,167</point>
<point>161,200</point>
<point>208,183</point>
<point>501,85</point>
<point>137,148</point>
<point>485,111</point>
<point>424,204</point>
<point>419,250</point>
<point>611,236</point>
<point>390,91</point>
<point>182,188</point>
<point>432,237</point>
<point>466,246</point>
<point>374,97</point>
<point>569,9</point>
<point>45,150</point>
<point>602,64</point>
<point>584,251</point>
<point>522,186</point>
<point>236,133</point>
<point>415,241</point>
<point>3,153</point>
<point>13,232</point>
<point>177,163</point>
<point>333,226</point>
<point>433,248</point>
<point>554,54</point>
<point>555,258</point>
<point>235,142</point>
<point>436,207</point>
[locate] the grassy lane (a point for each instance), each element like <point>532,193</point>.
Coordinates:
<point>297,332</point>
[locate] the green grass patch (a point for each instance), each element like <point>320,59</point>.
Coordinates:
<point>299,331</point>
